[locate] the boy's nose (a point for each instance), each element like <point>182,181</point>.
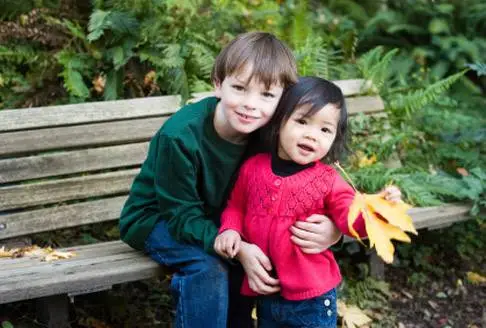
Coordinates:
<point>250,102</point>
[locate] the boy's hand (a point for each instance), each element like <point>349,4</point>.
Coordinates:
<point>316,234</point>
<point>392,194</point>
<point>227,244</point>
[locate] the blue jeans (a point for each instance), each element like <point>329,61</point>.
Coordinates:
<point>319,312</point>
<point>200,285</point>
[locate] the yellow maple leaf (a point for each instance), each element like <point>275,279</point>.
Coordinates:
<point>357,207</point>
<point>394,213</point>
<point>352,316</point>
<point>380,234</point>
<point>384,221</point>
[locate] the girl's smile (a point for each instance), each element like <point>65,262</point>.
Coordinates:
<point>305,139</point>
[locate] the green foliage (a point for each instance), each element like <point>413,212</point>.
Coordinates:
<point>367,294</point>
<point>74,65</point>
<point>416,100</point>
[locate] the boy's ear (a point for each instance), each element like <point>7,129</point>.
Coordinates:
<point>217,88</point>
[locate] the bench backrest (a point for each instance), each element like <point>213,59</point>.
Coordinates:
<point>64,166</point>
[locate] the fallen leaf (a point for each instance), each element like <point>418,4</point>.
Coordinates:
<point>475,278</point>
<point>5,253</point>
<point>353,317</point>
<point>410,296</point>
<point>58,255</point>
<point>366,161</point>
<point>462,171</point>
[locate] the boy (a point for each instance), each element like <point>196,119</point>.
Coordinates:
<point>175,202</point>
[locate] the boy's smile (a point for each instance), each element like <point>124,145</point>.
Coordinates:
<point>245,105</point>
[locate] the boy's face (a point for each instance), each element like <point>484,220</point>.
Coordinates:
<point>245,105</point>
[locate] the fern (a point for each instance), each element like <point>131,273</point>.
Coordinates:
<point>416,100</point>
<point>479,68</point>
<point>119,23</point>
<point>73,65</point>
<point>374,66</point>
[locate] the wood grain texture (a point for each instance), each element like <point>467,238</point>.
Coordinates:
<point>90,135</point>
<point>70,162</point>
<point>50,192</point>
<point>58,217</point>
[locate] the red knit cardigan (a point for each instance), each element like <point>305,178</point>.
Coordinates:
<point>262,208</point>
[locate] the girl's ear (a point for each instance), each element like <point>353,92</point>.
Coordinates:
<point>217,89</point>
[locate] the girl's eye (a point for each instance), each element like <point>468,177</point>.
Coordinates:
<point>301,121</point>
<point>268,95</point>
<point>326,130</point>
<point>238,87</point>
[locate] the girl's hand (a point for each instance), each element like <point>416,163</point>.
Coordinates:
<point>392,194</point>
<point>316,234</point>
<point>257,267</point>
<point>227,244</point>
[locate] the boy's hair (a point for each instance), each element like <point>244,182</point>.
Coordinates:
<point>315,93</point>
<point>271,61</point>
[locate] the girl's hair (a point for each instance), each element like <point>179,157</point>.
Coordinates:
<point>315,93</point>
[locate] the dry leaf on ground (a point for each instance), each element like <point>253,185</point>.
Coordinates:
<point>353,317</point>
<point>45,254</point>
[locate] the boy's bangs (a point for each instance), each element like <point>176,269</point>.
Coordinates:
<point>267,67</point>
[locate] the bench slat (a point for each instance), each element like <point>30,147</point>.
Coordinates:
<point>43,193</point>
<point>103,134</point>
<point>92,112</point>
<point>71,277</point>
<point>84,251</point>
<point>66,216</point>
<point>428,217</point>
<point>91,135</point>
<point>40,117</point>
<point>62,163</point>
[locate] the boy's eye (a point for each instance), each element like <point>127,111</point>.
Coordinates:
<point>238,87</point>
<point>301,121</point>
<point>268,95</point>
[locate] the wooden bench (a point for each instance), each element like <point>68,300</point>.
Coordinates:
<point>66,166</point>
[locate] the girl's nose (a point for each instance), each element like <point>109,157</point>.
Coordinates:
<point>310,136</point>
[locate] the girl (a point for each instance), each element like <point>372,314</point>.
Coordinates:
<point>276,189</point>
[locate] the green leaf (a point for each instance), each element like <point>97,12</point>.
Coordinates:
<point>437,26</point>
<point>7,324</point>
<point>75,84</point>
<point>113,84</point>
<point>97,23</point>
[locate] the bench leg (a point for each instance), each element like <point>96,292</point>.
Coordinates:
<point>53,311</point>
<point>377,266</point>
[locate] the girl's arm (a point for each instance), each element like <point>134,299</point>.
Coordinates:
<point>234,213</point>
<point>338,202</point>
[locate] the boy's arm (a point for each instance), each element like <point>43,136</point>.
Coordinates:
<point>176,190</point>
<point>338,202</point>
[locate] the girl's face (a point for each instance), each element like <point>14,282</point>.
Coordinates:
<point>308,139</point>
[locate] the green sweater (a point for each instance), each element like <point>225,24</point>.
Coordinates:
<point>185,180</point>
